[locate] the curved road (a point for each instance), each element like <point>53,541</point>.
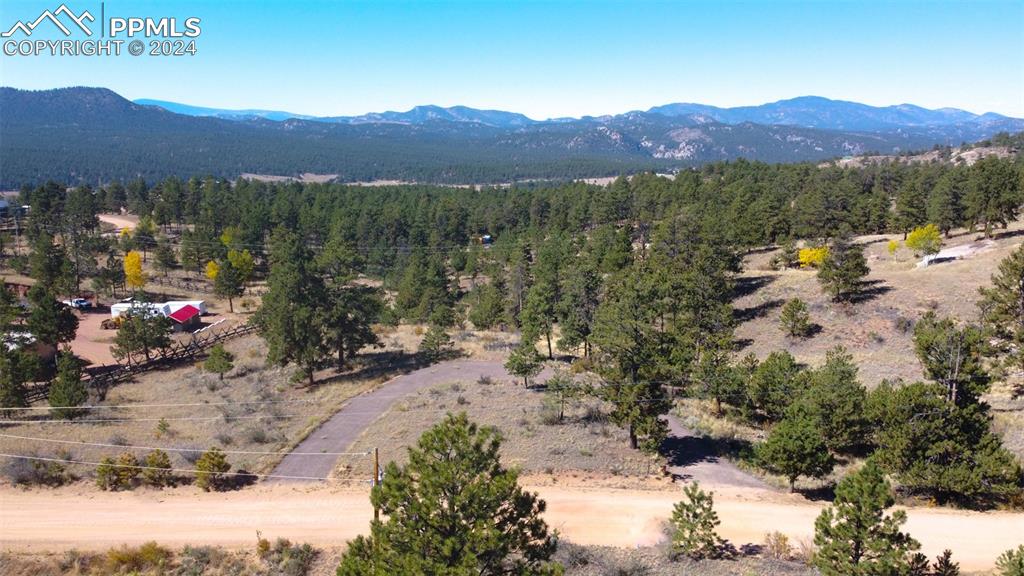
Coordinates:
<point>342,429</point>
<point>691,457</point>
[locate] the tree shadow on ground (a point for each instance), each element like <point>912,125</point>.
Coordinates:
<point>742,315</point>
<point>691,449</point>
<point>747,285</point>
<point>826,493</point>
<point>391,362</point>
<point>1007,234</point>
<point>869,290</point>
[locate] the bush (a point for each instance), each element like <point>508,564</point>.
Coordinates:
<point>211,470</point>
<point>795,320</point>
<point>117,473</point>
<point>813,257</point>
<point>436,343</point>
<point>286,558</point>
<point>776,546</point>
<point>149,556</point>
<point>158,469</point>
<point>925,239</point>
<point>38,473</point>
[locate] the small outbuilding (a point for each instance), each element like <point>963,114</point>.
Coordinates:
<point>185,318</point>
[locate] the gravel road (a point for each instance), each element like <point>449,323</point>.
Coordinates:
<point>342,429</point>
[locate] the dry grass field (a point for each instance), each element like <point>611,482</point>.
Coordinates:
<point>255,408</point>
<point>879,330</point>
<point>585,443</point>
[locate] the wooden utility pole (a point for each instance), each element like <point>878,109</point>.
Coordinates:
<point>376,479</point>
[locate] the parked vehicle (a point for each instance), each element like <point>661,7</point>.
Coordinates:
<point>78,303</point>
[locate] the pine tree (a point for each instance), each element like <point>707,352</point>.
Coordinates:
<point>795,320</point>
<point>50,321</point>
<point>211,470</point>
<point>141,331</point>
<point>774,385</point>
<point>911,206</point>
<point>952,356</point>
<point>561,389</point>
<point>993,193</point>
<point>220,361</point>
<point>50,267</point>
<point>17,367</point>
<point>157,471</point>
<point>715,378</point>
<point>944,565</point>
<point>936,448</point>
<point>165,257</point>
<point>524,362</point>
<point>67,391</point>
<point>837,400</point>
<point>227,283</point>
<point>693,524</point>
<point>630,343</point>
<point>1011,562</point>
<point>1002,308</point>
<point>854,535</point>
<point>841,272</point>
<point>945,202</point>
<point>290,318</point>
<point>580,300</point>
<point>455,510</point>
<point>795,447</point>
<point>436,343</point>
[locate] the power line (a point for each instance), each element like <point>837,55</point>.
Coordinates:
<point>168,449</point>
<point>186,404</point>
<point>141,467</point>
<point>174,419</point>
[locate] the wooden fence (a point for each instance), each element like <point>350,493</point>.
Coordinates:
<point>100,379</point>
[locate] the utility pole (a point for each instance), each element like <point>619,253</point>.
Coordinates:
<point>376,479</point>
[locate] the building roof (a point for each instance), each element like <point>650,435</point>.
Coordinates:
<point>184,314</point>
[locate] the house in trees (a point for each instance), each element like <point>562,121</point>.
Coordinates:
<point>185,318</point>
<point>185,314</point>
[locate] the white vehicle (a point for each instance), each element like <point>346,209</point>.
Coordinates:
<point>78,303</point>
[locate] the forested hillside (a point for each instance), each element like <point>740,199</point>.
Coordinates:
<point>92,135</point>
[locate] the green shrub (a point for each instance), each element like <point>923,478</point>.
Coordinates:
<point>288,559</point>
<point>158,469</point>
<point>126,560</point>
<point>211,470</point>
<point>795,320</point>
<point>1011,562</point>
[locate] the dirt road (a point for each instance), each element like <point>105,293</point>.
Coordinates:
<point>120,221</point>
<point>342,429</point>
<point>328,516</point>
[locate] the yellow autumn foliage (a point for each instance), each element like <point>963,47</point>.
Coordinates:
<point>134,277</point>
<point>812,257</point>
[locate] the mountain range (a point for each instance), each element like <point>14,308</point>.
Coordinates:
<point>804,111</point>
<point>95,135</point>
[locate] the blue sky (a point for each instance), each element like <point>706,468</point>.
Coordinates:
<point>549,59</point>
